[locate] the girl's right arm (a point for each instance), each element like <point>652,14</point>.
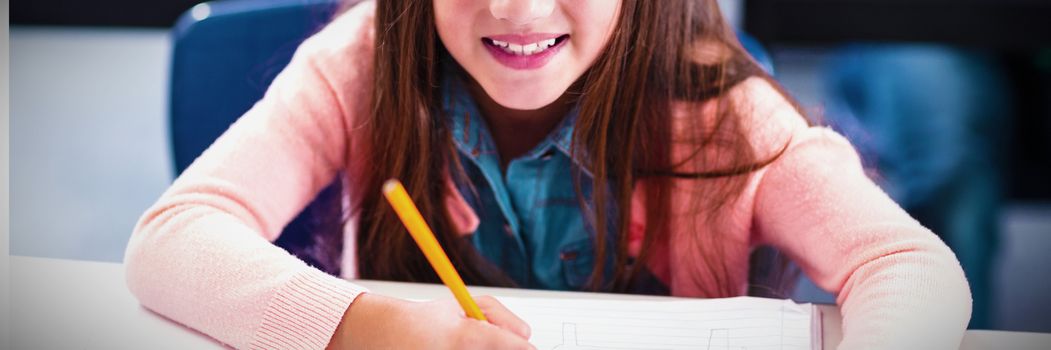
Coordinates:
<point>203,256</point>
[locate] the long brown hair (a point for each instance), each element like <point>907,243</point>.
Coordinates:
<point>661,51</point>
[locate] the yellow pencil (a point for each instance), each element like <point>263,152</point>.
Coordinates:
<point>421,233</point>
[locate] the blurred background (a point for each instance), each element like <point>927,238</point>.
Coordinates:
<point>948,101</point>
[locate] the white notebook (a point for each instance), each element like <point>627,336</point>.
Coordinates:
<point>741,323</point>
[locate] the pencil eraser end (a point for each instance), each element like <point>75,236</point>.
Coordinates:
<point>390,185</point>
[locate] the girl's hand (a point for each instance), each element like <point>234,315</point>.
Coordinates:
<point>379,322</point>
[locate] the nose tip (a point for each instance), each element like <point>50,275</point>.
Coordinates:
<point>521,12</point>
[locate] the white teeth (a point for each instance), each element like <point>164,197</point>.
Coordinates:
<point>527,49</point>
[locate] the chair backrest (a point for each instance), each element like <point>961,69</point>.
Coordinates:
<point>757,51</point>
<point>225,55</point>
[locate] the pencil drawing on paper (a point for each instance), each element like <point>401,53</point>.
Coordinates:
<point>569,341</point>
<point>723,324</point>
<point>718,339</point>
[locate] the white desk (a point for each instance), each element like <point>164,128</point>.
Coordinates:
<point>66,304</point>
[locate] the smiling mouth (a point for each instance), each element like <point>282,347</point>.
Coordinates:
<point>526,49</point>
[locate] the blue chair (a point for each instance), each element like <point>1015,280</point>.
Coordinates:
<point>226,53</point>
<point>757,51</point>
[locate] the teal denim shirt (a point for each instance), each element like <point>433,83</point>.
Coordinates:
<point>531,224</point>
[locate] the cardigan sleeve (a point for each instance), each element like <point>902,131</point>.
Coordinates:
<point>898,285</point>
<point>203,256</point>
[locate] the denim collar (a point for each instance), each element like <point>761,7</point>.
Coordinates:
<point>471,133</point>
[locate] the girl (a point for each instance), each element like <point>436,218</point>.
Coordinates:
<point>622,146</point>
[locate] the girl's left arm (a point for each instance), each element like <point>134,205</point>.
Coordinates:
<point>898,285</point>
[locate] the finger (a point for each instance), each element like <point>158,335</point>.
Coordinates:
<point>481,335</point>
<point>500,316</point>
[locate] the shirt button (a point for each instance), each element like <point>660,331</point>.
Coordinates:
<point>508,231</point>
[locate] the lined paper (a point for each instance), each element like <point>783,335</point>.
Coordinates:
<point>742,323</point>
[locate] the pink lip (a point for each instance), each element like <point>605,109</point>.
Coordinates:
<point>523,39</point>
<point>523,62</point>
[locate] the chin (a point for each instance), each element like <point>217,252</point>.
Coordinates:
<point>526,99</point>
